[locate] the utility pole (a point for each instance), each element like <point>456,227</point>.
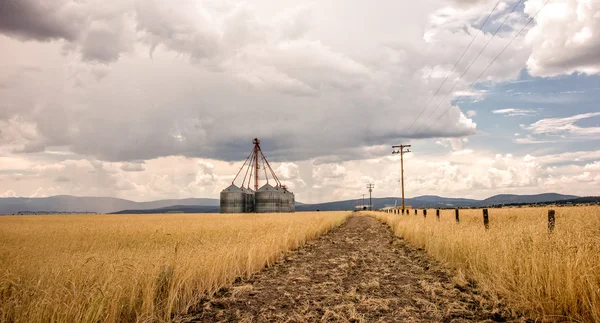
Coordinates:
<point>400,149</point>
<point>370,187</point>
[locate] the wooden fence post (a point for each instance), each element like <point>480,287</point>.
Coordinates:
<point>437,214</point>
<point>486,219</point>
<point>424,213</point>
<point>551,220</point>
<point>415,211</point>
<point>456,214</point>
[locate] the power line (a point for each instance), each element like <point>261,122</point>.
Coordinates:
<point>455,64</point>
<point>492,62</point>
<point>471,64</point>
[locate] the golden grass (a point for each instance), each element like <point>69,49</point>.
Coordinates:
<point>114,268</point>
<point>548,276</point>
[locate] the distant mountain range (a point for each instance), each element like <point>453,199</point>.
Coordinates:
<point>67,203</point>
<point>432,201</point>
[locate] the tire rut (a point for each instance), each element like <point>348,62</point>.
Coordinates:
<point>359,272</point>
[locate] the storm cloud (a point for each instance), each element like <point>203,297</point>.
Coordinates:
<point>146,79</point>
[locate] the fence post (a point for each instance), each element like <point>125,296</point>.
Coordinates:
<point>415,211</point>
<point>424,213</point>
<point>486,219</point>
<point>456,214</point>
<point>551,220</point>
<point>437,214</point>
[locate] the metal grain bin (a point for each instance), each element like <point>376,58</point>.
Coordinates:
<point>285,200</point>
<point>233,200</point>
<point>292,202</point>
<point>268,199</point>
<point>250,196</point>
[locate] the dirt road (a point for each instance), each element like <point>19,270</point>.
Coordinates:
<point>360,272</point>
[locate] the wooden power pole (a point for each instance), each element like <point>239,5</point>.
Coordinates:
<point>370,187</point>
<point>400,149</point>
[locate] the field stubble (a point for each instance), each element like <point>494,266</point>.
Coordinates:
<point>549,276</point>
<point>114,268</point>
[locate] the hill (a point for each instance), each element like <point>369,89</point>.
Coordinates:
<point>432,201</point>
<point>526,199</point>
<point>67,203</point>
<point>73,204</point>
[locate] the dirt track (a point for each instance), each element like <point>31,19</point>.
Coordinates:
<point>360,272</point>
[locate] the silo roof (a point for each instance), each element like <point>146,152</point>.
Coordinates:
<point>247,190</point>
<point>233,188</point>
<point>267,187</point>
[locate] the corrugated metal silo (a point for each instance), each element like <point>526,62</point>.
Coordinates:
<point>267,199</point>
<point>250,196</point>
<point>285,200</point>
<point>233,200</point>
<point>292,202</point>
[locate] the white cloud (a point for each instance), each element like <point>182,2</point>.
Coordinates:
<point>9,193</point>
<point>565,38</point>
<point>595,165</point>
<point>513,112</point>
<point>565,126</point>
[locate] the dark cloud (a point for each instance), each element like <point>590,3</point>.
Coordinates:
<point>132,167</point>
<point>38,20</point>
<point>305,95</point>
<point>94,47</point>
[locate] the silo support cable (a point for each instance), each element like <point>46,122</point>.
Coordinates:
<point>238,174</point>
<point>271,169</point>
<point>248,168</point>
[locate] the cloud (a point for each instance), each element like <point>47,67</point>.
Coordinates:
<point>565,126</point>
<point>456,144</point>
<point>9,193</point>
<point>62,179</point>
<point>39,20</point>
<point>565,38</point>
<point>512,112</point>
<point>297,84</point>
<point>132,167</point>
<point>200,79</point>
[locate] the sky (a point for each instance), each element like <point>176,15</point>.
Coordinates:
<point>148,99</point>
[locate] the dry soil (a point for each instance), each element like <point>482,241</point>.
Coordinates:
<point>359,272</point>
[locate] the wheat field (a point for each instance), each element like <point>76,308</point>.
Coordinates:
<point>126,268</point>
<point>547,276</point>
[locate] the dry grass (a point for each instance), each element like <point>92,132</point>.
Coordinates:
<point>114,268</point>
<point>548,276</point>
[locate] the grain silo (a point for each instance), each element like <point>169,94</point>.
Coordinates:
<point>291,201</point>
<point>249,207</point>
<point>285,200</point>
<point>267,199</point>
<point>233,200</point>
